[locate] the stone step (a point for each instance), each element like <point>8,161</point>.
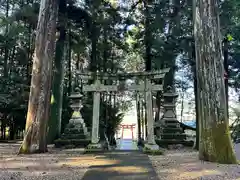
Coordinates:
<point>172,136</point>
<point>171,122</point>
<point>72,142</point>
<point>74,136</point>
<point>73,130</point>
<point>70,126</point>
<point>167,125</point>
<point>77,130</point>
<point>171,126</point>
<point>166,142</point>
<point>172,129</point>
<point>79,125</point>
<point>173,119</point>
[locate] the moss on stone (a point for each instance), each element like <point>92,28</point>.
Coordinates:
<point>152,152</point>
<point>93,148</point>
<point>216,145</point>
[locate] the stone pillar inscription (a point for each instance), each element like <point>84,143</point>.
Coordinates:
<point>95,119</point>
<point>150,128</point>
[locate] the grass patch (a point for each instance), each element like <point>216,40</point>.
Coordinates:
<point>152,152</point>
<point>93,148</point>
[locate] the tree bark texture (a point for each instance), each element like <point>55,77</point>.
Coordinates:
<point>142,119</point>
<point>138,116</point>
<point>39,98</point>
<point>147,38</point>
<point>225,64</point>
<point>196,107</point>
<point>195,87</point>
<point>58,83</point>
<point>69,61</point>
<point>215,143</point>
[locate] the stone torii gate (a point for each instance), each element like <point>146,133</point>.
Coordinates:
<point>97,88</point>
<point>148,87</point>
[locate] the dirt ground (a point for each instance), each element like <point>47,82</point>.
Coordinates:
<point>184,165</point>
<point>65,164</point>
<point>72,165</point>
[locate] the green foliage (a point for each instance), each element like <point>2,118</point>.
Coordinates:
<point>152,152</point>
<point>235,126</point>
<point>110,117</point>
<point>66,110</point>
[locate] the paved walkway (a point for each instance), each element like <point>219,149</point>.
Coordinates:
<point>126,144</point>
<point>124,164</point>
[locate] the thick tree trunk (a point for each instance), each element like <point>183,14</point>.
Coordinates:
<point>147,38</point>
<point>3,126</point>
<point>173,32</point>
<point>94,63</point>
<point>196,108</point>
<point>145,118</point>
<point>225,64</point>
<point>39,99</point>
<point>138,117</point>
<point>142,120</point>
<point>215,143</point>
<point>69,62</point>
<point>57,96</point>
<point>12,130</point>
<point>195,87</point>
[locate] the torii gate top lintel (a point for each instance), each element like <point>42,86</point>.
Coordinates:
<point>123,75</point>
<point>128,126</point>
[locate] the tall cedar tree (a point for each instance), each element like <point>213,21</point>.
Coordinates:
<point>215,143</point>
<point>40,91</point>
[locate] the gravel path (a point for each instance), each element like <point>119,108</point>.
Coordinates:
<point>184,165</point>
<point>237,150</point>
<point>73,165</point>
<point>65,164</point>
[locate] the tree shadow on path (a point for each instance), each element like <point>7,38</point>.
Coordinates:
<point>121,165</point>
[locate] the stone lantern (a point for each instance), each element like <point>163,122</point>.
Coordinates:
<point>76,120</point>
<point>169,131</point>
<point>169,105</point>
<point>76,133</point>
<point>75,101</point>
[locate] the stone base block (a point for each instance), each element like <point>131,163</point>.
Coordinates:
<point>166,142</point>
<point>97,146</point>
<point>94,148</point>
<point>152,147</point>
<point>59,143</point>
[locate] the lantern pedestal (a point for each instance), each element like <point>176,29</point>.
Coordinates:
<point>76,133</point>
